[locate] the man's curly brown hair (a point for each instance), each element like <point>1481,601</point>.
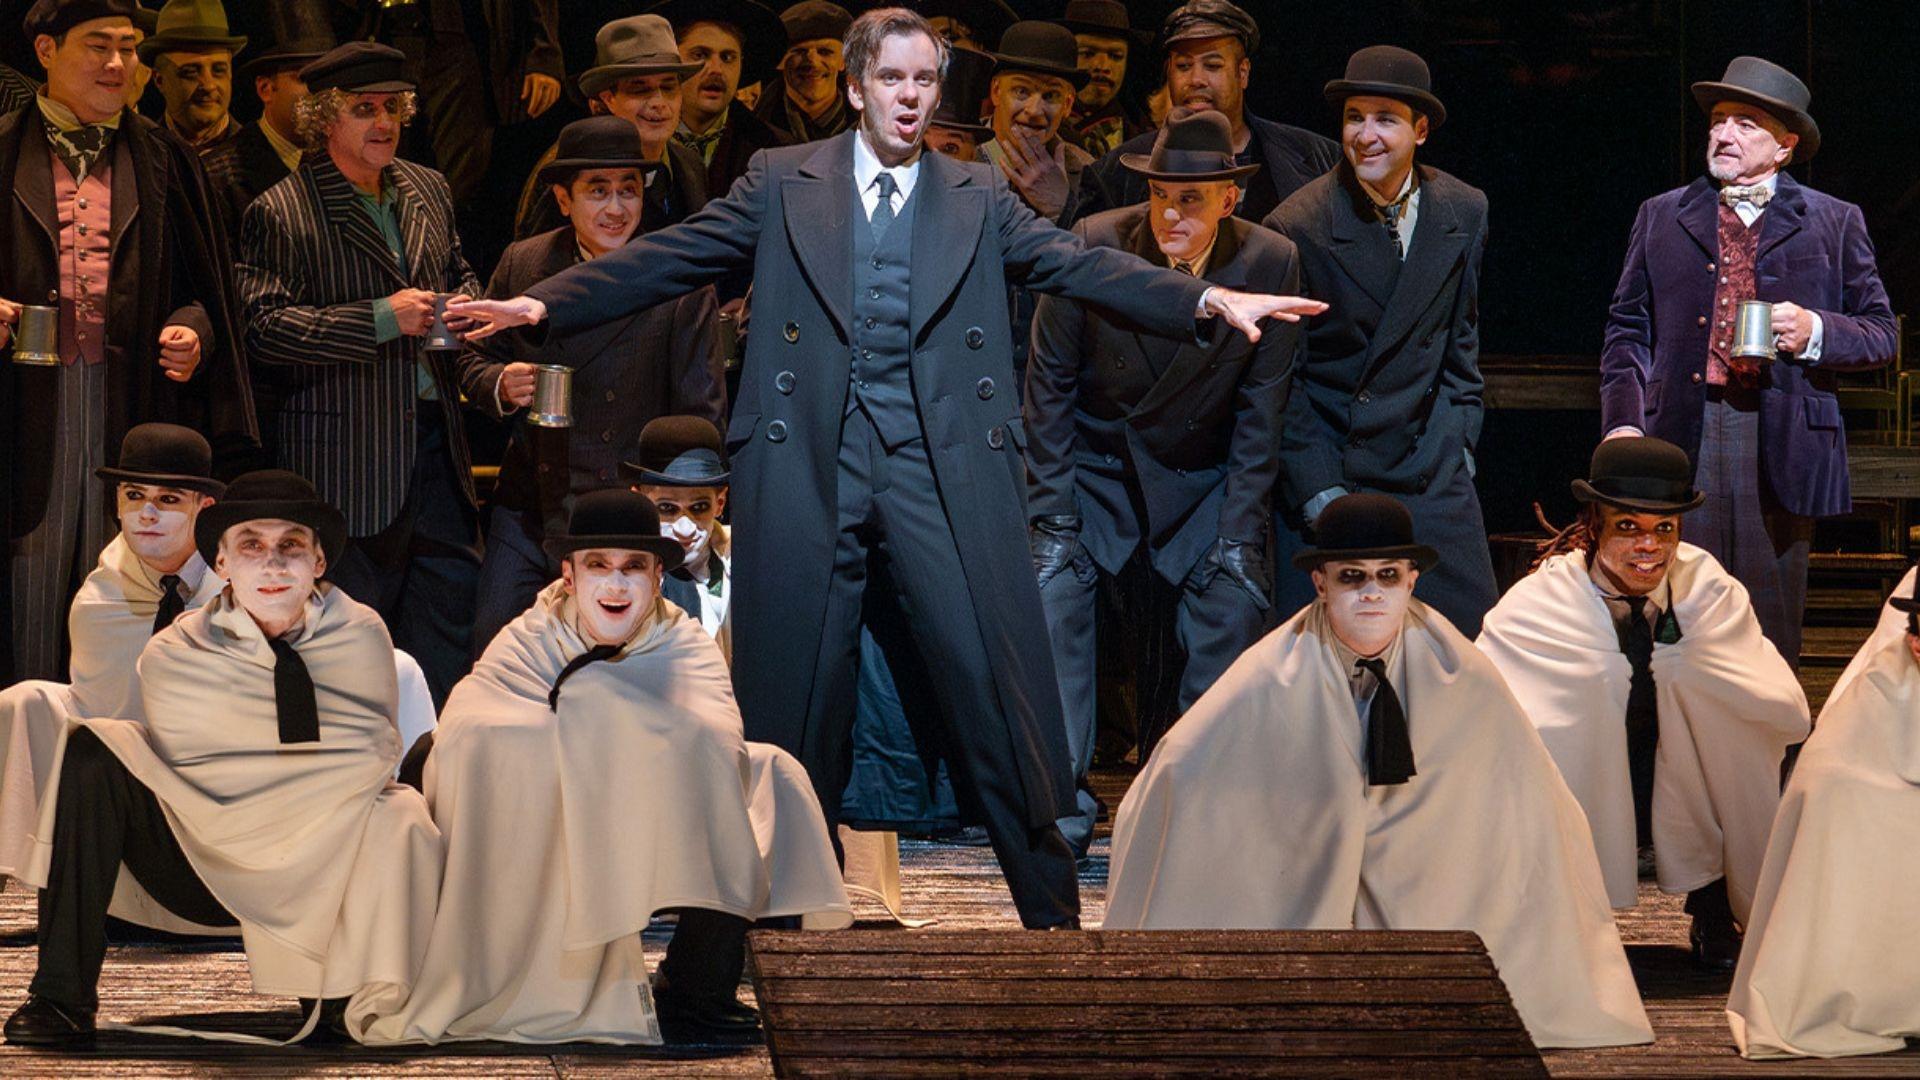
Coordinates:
<point>316,112</point>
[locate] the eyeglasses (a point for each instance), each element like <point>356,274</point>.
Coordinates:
<point>395,107</point>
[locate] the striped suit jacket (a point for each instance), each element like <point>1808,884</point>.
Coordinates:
<point>311,264</point>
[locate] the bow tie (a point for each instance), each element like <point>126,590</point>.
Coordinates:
<point>1756,195</point>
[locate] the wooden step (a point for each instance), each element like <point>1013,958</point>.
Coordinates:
<point>1831,646</point>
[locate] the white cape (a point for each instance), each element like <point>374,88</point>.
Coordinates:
<point>1831,964</point>
<point>327,863</point>
<point>1891,626</point>
<point>1485,838</point>
<point>1729,707</point>
<point>567,831</point>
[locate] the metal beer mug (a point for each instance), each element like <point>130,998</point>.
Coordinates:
<point>552,396</point>
<point>36,338</point>
<point>439,338</point>
<point>1753,331</point>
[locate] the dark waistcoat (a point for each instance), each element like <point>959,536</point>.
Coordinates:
<point>882,348</point>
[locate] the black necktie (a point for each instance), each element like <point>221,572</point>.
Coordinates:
<point>1390,213</point>
<point>1389,746</point>
<point>883,210</point>
<point>1643,712</point>
<point>171,602</point>
<point>293,695</point>
<point>598,652</point>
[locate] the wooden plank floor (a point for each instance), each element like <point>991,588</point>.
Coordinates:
<point>961,886</point>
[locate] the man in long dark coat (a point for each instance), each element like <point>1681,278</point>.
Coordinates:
<point>877,423</point>
<point>110,223</point>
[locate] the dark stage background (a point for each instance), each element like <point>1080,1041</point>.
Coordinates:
<point>1567,114</point>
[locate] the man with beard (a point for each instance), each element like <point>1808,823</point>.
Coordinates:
<point>806,99</point>
<point>192,60</point>
<point>267,150</point>
<point>1622,619</point>
<point>258,789</point>
<point>1209,45</point>
<point>636,76</point>
<point>736,42</point>
<point>111,223</point>
<point>1101,121</point>
<point>1388,393</point>
<point>658,362</point>
<point>872,429</point>
<point>1766,437</point>
<point>1397,786</point>
<point>340,268</point>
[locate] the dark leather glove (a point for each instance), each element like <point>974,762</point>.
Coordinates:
<point>1054,540</point>
<point>1246,565</point>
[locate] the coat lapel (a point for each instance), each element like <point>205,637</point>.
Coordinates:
<point>946,230</point>
<point>583,347</point>
<point>1785,214</point>
<point>1700,216</point>
<point>411,208</point>
<point>33,177</point>
<point>344,211</point>
<point>136,181</point>
<point>1359,246</point>
<point>1224,268</point>
<point>816,204</point>
<point>1155,352</point>
<point>1438,243</point>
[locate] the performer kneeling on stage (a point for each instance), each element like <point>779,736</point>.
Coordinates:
<point>1452,817</point>
<point>1622,620</point>
<point>259,789</point>
<point>590,772</point>
<point>1832,961</point>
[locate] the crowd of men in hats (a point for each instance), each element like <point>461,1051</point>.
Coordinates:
<point>891,346</point>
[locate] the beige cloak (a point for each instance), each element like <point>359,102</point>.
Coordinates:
<point>1729,707</point>
<point>567,831</point>
<point>330,867</point>
<point>1831,964</point>
<point>1485,838</point>
<point>1891,626</point>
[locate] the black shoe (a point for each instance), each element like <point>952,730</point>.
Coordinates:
<point>1716,943</point>
<point>44,1023</point>
<point>962,836</point>
<point>685,1020</point>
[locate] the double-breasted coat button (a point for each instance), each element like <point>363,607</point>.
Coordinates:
<point>985,389</point>
<point>872,322</point>
<point>610,395</point>
<point>606,436</point>
<point>976,337</point>
<point>1193,425</point>
<point>1697,377</point>
<point>53,295</point>
<point>1703,320</point>
<point>783,382</point>
<point>1363,397</point>
<point>791,332</point>
<point>777,431</point>
<point>996,438</point>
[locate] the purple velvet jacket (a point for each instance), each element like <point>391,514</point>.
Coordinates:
<point>1813,251</point>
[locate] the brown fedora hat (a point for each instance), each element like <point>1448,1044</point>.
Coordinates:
<point>636,45</point>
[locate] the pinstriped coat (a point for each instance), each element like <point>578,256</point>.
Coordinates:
<point>311,264</point>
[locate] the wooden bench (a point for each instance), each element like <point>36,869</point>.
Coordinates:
<point>1131,1003</point>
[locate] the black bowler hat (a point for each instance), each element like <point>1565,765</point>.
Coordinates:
<point>598,142</point>
<point>763,37</point>
<point>615,518</point>
<point>1639,472</point>
<point>811,20</point>
<point>359,67</point>
<point>274,494</point>
<point>1771,87</point>
<point>1106,18</point>
<point>1040,48</point>
<point>1389,72</point>
<point>1908,604</point>
<point>679,451</point>
<point>1210,19</point>
<point>56,17</point>
<point>1365,526</point>
<point>1198,146</point>
<point>300,33</point>
<point>969,75</point>
<point>165,454</point>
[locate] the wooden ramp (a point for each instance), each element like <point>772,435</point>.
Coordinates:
<point>1136,1003</point>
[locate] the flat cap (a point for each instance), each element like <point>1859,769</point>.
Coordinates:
<point>56,17</point>
<point>361,67</point>
<point>1209,19</point>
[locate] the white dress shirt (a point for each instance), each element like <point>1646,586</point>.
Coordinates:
<point>1409,214</point>
<point>867,169</point>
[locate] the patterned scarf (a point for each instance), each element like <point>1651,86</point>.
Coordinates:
<point>76,144</point>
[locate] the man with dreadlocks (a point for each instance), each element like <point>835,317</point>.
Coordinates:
<point>1642,664</point>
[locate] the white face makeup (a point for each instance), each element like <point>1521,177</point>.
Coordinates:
<point>272,566</point>
<point>158,523</point>
<point>687,515</point>
<point>1366,600</point>
<point>614,589</point>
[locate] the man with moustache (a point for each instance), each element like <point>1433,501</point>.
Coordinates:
<point>955,129</point>
<point>1209,46</point>
<point>1101,121</point>
<point>1620,618</point>
<point>257,790</point>
<point>654,363</point>
<point>110,223</point>
<point>1144,442</point>
<point>1388,393</point>
<point>268,149</point>
<point>636,76</point>
<point>737,42</point>
<point>1396,785</point>
<point>1767,439</point>
<point>806,99</point>
<point>876,424</point>
<point>339,268</point>
<point>192,59</point>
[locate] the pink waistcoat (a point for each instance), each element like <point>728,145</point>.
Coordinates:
<point>84,212</point>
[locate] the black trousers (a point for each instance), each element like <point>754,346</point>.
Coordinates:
<point>706,954</point>
<point>105,818</point>
<point>890,514</point>
<point>421,573</point>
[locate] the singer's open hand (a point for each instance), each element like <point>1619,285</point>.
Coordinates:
<point>1245,310</point>
<point>489,317</point>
